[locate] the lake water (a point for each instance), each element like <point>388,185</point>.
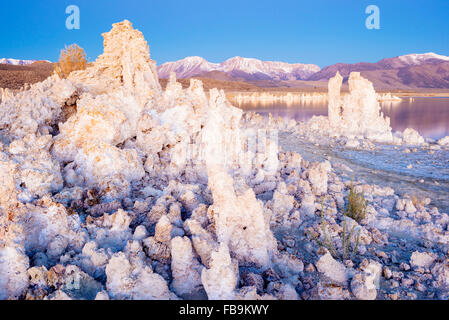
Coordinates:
<point>429,116</point>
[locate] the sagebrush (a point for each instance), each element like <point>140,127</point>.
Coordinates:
<point>72,58</point>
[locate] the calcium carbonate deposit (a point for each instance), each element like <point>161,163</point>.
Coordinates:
<point>112,188</point>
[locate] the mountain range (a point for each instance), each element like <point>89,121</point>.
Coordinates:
<point>239,68</point>
<point>428,70</point>
<point>412,71</point>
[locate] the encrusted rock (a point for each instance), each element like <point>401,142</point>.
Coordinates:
<point>13,275</point>
<point>239,221</point>
<point>412,137</point>
<point>220,279</point>
<point>364,285</point>
<point>332,269</point>
<point>128,281</point>
<point>163,230</point>
<point>157,250</point>
<point>185,268</point>
<point>422,259</point>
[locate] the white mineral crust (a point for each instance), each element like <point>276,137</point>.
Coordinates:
<point>239,221</point>
<point>220,279</point>
<point>185,267</point>
<point>13,274</point>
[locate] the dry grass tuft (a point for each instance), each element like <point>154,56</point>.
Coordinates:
<point>72,58</point>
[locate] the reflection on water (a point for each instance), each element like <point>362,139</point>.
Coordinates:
<point>430,116</point>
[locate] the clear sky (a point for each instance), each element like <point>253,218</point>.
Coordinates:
<point>322,32</point>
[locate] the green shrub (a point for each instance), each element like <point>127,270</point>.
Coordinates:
<point>356,208</point>
<point>346,237</point>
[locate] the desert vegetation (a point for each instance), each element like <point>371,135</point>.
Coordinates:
<point>72,58</point>
<point>356,208</point>
<point>347,234</point>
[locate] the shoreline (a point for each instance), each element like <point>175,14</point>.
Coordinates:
<point>291,98</point>
<point>421,95</point>
<point>321,93</point>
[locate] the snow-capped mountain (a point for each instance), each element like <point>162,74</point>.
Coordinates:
<point>16,62</point>
<point>271,70</point>
<point>417,59</point>
<point>238,67</point>
<point>186,68</point>
<point>411,60</point>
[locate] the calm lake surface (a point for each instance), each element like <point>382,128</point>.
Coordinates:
<point>430,116</point>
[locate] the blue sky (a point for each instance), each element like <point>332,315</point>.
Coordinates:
<point>322,32</point>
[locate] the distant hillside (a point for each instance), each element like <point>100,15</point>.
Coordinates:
<point>405,72</point>
<point>15,76</point>
<point>430,75</point>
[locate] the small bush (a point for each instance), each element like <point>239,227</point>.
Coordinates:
<point>72,58</point>
<point>345,239</point>
<point>356,208</point>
